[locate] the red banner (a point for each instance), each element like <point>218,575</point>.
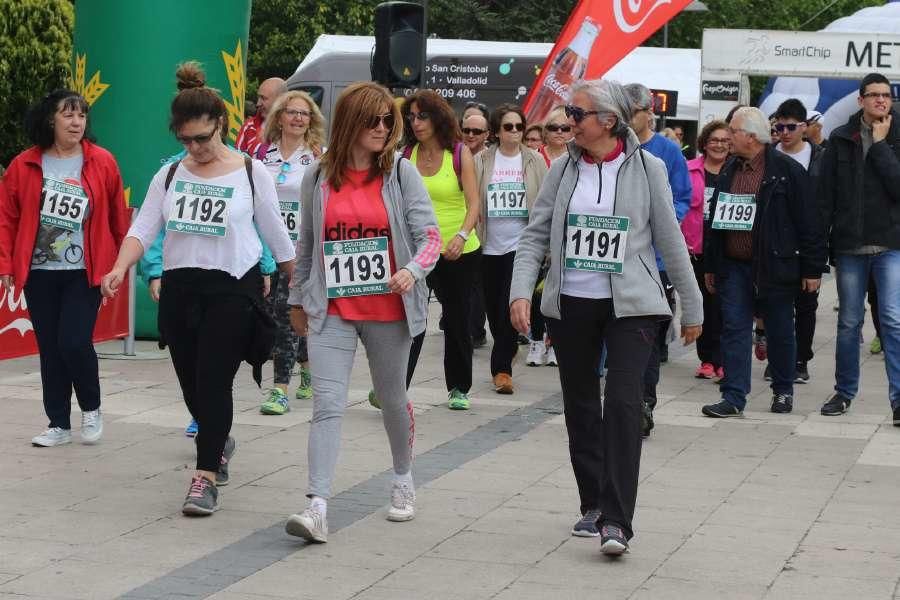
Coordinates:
<point>17,334</point>
<point>597,35</point>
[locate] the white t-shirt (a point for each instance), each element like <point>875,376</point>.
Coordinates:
<point>505,194</point>
<point>803,157</point>
<point>287,183</point>
<point>594,195</point>
<point>210,221</point>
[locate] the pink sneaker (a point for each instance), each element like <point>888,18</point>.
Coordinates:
<point>705,371</point>
<point>720,375</point>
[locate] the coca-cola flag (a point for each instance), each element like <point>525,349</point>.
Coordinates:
<point>597,35</point>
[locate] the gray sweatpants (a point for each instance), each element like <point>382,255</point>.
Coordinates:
<point>331,353</point>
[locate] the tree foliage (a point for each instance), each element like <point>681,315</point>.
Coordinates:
<point>35,58</point>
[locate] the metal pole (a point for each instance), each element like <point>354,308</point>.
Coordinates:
<point>666,35</point>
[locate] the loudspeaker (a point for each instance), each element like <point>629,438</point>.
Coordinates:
<point>399,44</point>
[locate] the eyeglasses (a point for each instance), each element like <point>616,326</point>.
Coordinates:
<point>520,126</point>
<point>554,128</point>
<point>291,113</point>
<point>282,172</point>
<point>792,127</point>
<point>578,114</point>
<point>885,95</point>
<point>187,140</point>
<point>387,120</point>
<point>419,116</point>
<point>718,141</point>
<point>473,131</point>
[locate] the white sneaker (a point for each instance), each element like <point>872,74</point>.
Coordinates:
<point>535,354</point>
<point>550,357</point>
<point>403,499</point>
<point>55,436</point>
<point>310,525</point>
<point>91,426</point>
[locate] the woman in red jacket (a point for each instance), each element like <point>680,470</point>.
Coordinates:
<point>62,219</point>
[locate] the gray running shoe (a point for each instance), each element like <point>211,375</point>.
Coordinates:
<point>227,453</point>
<point>54,436</point>
<point>91,426</point>
<point>202,498</point>
<point>587,525</point>
<point>310,525</point>
<point>612,540</point>
<point>403,502</point>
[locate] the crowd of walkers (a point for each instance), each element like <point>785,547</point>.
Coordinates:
<point>577,236</point>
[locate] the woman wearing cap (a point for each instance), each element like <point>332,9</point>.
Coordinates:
<point>601,211</point>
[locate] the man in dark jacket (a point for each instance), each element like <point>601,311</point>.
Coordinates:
<point>764,240</point>
<point>791,125</point>
<point>860,185</point>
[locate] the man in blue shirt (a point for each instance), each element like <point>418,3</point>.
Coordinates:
<point>642,122</point>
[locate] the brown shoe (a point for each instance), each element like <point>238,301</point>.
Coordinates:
<point>503,383</point>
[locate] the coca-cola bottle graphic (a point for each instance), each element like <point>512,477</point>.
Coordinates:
<point>568,67</point>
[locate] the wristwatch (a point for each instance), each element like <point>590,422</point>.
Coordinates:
<point>463,235</point>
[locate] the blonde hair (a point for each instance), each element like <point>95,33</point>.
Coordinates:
<point>315,133</point>
<point>356,105</point>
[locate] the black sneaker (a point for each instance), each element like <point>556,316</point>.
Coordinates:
<point>767,375</point>
<point>782,403</point>
<point>664,354</point>
<point>722,410</point>
<point>587,525</point>
<point>612,540</point>
<point>523,340</point>
<point>646,420</point>
<point>227,453</point>
<point>897,417</point>
<point>802,374</point>
<point>836,405</point>
<point>202,498</point>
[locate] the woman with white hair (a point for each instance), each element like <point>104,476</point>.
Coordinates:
<point>601,211</point>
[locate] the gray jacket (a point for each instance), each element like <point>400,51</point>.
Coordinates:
<point>415,238</point>
<point>644,196</point>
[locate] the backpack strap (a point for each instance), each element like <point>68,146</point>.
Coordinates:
<point>248,164</point>
<point>407,151</point>
<point>171,174</point>
<point>262,150</point>
<point>457,162</point>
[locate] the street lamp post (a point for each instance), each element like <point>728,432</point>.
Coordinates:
<point>695,6</point>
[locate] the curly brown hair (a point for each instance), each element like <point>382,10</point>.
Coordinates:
<point>708,131</point>
<point>443,119</point>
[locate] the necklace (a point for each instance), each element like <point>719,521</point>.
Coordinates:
<point>428,159</point>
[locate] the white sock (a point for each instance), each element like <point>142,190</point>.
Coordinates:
<point>319,505</point>
<point>404,478</point>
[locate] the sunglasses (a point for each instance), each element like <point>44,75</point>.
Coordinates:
<point>386,120</point>
<point>792,127</point>
<point>517,126</point>
<point>554,128</point>
<point>473,131</point>
<point>282,173</point>
<point>578,114</point>
<point>291,113</point>
<point>418,116</point>
<point>186,140</point>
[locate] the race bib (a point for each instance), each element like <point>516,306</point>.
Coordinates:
<point>200,209</point>
<point>290,212</point>
<point>707,196</point>
<point>735,212</point>
<point>63,205</point>
<point>596,243</point>
<point>506,200</point>
<point>357,267</point>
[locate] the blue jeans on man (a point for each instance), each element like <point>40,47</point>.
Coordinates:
<point>852,281</point>
<point>738,297</point>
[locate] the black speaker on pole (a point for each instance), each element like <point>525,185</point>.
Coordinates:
<point>398,59</point>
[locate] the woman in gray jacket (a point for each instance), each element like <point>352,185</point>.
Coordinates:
<point>600,212</point>
<point>368,238</point>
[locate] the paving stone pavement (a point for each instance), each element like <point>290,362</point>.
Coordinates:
<point>769,506</point>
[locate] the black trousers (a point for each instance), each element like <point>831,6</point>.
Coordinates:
<point>478,309</point>
<point>805,306</point>
<point>63,308</point>
<point>651,373</point>
<point>207,335</point>
<point>496,277</point>
<point>709,349</point>
<point>604,438</point>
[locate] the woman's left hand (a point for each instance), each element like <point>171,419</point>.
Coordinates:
<point>401,282</point>
<point>454,248</point>
<point>690,333</point>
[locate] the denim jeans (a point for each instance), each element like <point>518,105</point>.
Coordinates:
<point>735,287</point>
<point>852,281</point>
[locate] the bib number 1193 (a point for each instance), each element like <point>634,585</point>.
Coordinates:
<point>357,267</point>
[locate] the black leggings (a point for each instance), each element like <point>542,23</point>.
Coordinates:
<point>496,277</point>
<point>63,308</point>
<point>207,335</point>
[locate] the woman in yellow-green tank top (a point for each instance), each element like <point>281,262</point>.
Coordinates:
<point>434,145</point>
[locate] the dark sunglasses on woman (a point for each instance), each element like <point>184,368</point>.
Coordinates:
<point>374,120</point>
<point>517,126</point>
<point>554,128</point>
<point>473,131</point>
<point>578,114</point>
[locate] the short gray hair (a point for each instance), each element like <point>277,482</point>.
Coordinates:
<point>608,98</point>
<point>640,96</point>
<point>755,123</point>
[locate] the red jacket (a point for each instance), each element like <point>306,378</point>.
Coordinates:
<point>20,205</point>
